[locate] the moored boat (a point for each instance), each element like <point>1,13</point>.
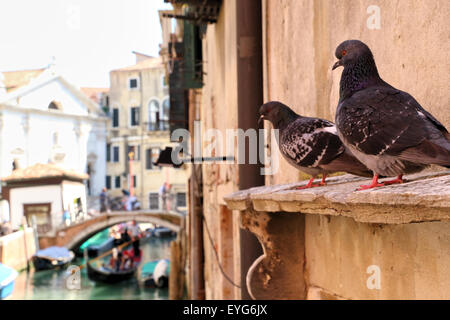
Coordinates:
<point>96,250</point>
<point>7,278</point>
<point>107,275</point>
<point>155,274</point>
<point>52,258</point>
<point>160,232</point>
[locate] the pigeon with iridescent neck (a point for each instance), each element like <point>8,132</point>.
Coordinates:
<point>310,144</point>
<point>385,128</point>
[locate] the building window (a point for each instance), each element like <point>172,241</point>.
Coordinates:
<point>117,182</point>
<point>181,199</point>
<point>115,118</point>
<point>116,154</point>
<point>108,182</point>
<point>154,201</point>
<point>134,181</point>
<point>133,83</point>
<point>134,116</point>
<point>108,152</point>
<point>154,115</point>
<point>151,156</point>
<point>165,110</point>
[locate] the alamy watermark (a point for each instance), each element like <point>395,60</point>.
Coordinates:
<point>245,147</point>
<point>73,15</point>
<point>73,279</point>
<point>374,20</point>
<point>374,280</point>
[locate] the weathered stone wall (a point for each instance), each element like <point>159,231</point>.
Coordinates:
<point>413,259</point>
<point>411,49</point>
<point>346,241</point>
<point>219,111</point>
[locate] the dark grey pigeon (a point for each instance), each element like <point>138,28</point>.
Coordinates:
<point>385,128</point>
<point>310,144</point>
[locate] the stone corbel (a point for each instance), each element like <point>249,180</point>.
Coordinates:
<point>279,272</point>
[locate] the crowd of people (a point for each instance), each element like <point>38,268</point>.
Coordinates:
<point>125,202</point>
<point>130,202</point>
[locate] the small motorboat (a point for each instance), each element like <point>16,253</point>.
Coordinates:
<point>52,258</point>
<point>7,278</point>
<point>96,250</point>
<point>107,275</point>
<point>160,232</point>
<point>155,274</point>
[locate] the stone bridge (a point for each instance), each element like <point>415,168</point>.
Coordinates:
<point>74,235</point>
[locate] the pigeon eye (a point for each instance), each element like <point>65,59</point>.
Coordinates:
<point>344,52</point>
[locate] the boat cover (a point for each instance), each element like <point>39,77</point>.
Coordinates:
<point>54,253</point>
<point>148,268</point>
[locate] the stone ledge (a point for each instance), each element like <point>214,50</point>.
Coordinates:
<point>424,197</point>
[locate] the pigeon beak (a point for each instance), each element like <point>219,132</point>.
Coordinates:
<point>337,64</point>
<point>260,120</point>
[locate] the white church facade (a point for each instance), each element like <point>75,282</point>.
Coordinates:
<point>46,119</point>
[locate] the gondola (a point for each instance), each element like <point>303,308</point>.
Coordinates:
<point>107,275</point>
<point>52,258</point>
<point>7,278</point>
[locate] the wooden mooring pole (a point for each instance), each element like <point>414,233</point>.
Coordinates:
<point>176,276</point>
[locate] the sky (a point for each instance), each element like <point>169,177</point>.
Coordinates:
<point>87,38</point>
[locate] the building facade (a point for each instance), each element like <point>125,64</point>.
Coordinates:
<point>139,108</point>
<point>46,119</point>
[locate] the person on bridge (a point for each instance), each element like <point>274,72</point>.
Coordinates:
<point>103,200</point>
<point>164,193</point>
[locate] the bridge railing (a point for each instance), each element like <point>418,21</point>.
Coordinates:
<point>59,225</point>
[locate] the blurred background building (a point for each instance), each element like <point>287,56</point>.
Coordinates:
<point>139,106</point>
<point>46,119</point>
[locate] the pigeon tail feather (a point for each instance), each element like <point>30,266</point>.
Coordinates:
<point>428,152</point>
<point>348,163</point>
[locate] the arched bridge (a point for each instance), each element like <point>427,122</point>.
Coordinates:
<point>74,235</point>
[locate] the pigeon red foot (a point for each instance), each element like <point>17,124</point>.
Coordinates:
<point>374,184</point>
<point>311,185</point>
<point>399,179</point>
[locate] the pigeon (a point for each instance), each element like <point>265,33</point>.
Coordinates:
<point>310,144</point>
<point>385,128</point>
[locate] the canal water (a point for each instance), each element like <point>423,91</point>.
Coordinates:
<point>51,284</point>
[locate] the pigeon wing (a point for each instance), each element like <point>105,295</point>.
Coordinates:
<point>384,120</point>
<point>310,142</point>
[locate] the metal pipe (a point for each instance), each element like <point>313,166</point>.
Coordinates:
<point>250,98</point>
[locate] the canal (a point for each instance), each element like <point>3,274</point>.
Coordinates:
<point>51,284</point>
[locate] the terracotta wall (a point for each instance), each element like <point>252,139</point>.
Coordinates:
<point>411,49</point>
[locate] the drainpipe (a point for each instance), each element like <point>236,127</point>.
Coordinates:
<point>250,98</point>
